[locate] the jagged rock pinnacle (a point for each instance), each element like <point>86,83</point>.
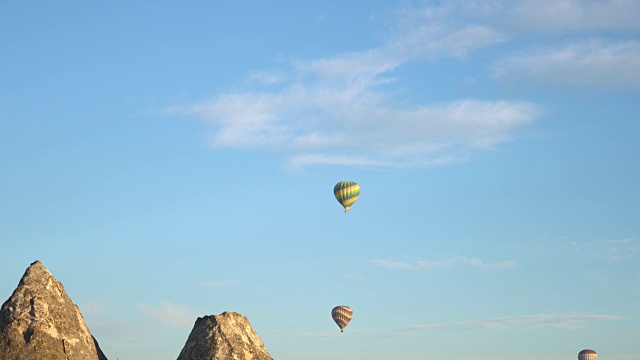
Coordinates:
<point>228,336</point>
<point>39,321</point>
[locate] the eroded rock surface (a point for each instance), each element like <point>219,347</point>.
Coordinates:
<point>228,336</point>
<point>40,322</point>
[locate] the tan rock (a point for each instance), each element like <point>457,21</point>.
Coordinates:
<point>228,336</point>
<point>39,321</point>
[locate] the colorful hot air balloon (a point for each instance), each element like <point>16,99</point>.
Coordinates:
<point>346,193</point>
<point>587,354</point>
<point>341,315</point>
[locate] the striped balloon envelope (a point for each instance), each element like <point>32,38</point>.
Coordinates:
<point>346,192</point>
<point>587,354</point>
<point>342,315</point>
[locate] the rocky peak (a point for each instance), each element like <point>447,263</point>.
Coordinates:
<point>39,321</point>
<point>228,336</point>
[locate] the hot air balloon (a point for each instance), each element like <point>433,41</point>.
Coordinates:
<point>346,192</point>
<point>341,315</point>
<point>587,354</point>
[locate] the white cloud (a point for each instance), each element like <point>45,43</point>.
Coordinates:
<point>335,111</point>
<point>614,251</point>
<point>351,275</point>
<point>608,251</point>
<point>217,284</point>
<point>169,315</point>
<point>567,322</point>
<point>525,322</point>
<point>571,15</point>
<point>517,17</point>
<point>446,30</point>
<point>342,109</point>
<point>305,334</point>
<point>535,25</point>
<point>351,66</point>
<point>445,263</point>
<point>420,33</point>
<point>592,63</point>
<point>266,77</point>
<point>389,264</point>
<point>117,329</point>
<point>93,307</point>
<point>352,125</point>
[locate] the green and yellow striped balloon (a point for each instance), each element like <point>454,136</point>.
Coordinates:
<point>342,315</point>
<point>346,193</point>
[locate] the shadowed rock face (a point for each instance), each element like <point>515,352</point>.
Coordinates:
<point>39,321</point>
<point>228,336</point>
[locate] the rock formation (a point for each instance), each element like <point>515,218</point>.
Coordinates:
<point>39,321</point>
<point>228,336</point>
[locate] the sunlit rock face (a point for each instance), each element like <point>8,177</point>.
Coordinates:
<point>40,322</point>
<point>228,336</point>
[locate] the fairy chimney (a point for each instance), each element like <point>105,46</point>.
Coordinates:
<point>39,321</point>
<point>228,336</point>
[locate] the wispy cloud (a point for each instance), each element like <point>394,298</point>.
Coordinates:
<point>345,109</point>
<point>92,307</point>
<point>581,60</point>
<point>609,251</point>
<point>445,263</point>
<point>217,284</point>
<point>304,334</point>
<point>569,15</point>
<point>603,251</point>
<point>559,321</point>
<point>526,322</point>
<point>517,17</point>
<point>336,110</point>
<point>117,329</point>
<point>612,250</point>
<point>352,125</point>
<point>591,63</point>
<point>453,28</point>
<point>169,315</point>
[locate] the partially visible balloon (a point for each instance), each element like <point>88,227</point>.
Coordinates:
<point>341,315</point>
<point>346,192</point>
<point>587,354</point>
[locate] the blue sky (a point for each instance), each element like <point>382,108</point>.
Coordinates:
<point>167,161</point>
